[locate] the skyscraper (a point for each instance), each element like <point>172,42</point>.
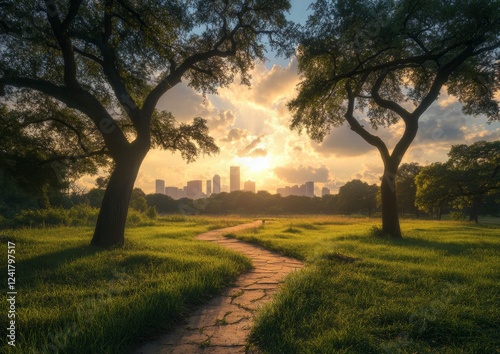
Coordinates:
<point>310,189</point>
<point>234,174</point>
<point>194,189</point>
<point>160,186</point>
<point>171,192</point>
<point>209,187</point>
<point>216,181</point>
<point>325,191</point>
<point>249,186</point>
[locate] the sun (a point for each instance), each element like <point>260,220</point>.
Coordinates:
<point>254,166</point>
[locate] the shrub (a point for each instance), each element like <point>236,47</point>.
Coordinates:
<point>151,212</point>
<point>457,215</point>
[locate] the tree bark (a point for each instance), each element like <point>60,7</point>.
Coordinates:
<point>110,227</point>
<point>390,215</point>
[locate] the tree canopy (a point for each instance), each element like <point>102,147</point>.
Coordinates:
<point>109,62</point>
<point>387,61</point>
<point>471,174</point>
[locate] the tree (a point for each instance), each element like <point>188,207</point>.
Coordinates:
<point>356,196</point>
<point>434,188</point>
<point>138,200</point>
<point>390,60</point>
<point>34,169</point>
<point>476,174</point>
<point>471,174</point>
<point>110,61</point>
<point>406,188</point>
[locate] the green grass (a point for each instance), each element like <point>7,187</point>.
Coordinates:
<point>437,290</point>
<point>73,298</point>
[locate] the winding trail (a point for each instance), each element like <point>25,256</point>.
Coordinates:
<point>222,325</point>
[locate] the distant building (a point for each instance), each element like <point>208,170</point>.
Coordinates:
<point>234,183</point>
<point>182,192</point>
<point>209,187</point>
<point>325,191</point>
<point>172,192</point>
<point>310,189</point>
<point>249,186</point>
<point>160,186</point>
<point>194,189</point>
<point>306,189</point>
<point>216,181</point>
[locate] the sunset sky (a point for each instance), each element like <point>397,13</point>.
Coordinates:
<point>251,128</point>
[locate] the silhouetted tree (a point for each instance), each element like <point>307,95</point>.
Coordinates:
<point>109,62</point>
<point>357,196</point>
<point>390,60</point>
<point>465,180</point>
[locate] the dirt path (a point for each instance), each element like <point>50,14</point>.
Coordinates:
<point>223,324</point>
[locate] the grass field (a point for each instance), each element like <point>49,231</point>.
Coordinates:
<point>76,299</point>
<point>437,290</point>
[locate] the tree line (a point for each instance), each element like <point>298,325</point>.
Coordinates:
<point>468,183</point>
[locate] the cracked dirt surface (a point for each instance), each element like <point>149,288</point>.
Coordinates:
<point>223,324</point>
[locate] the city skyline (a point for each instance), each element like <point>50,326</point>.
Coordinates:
<point>193,189</point>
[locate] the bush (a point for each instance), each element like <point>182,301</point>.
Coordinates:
<point>78,215</point>
<point>43,217</point>
<point>457,215</point>
<point>83,215</point>
<point>151,212</point>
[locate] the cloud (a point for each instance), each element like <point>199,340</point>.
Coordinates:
<point>185,103</point>
<point>371,173</point>
<point>342,141</point>
<point>235,134</point>
<point>276,84</point>
<point>259,152</point>
<point>302,174</point>
<point>442,125</point>
<point>222,120</point>
<point>252,150</point>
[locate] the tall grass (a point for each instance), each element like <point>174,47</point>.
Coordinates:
<point>73,298</point>
<point>434,291</point>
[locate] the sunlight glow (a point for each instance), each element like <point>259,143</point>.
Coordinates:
<point>254,166</point>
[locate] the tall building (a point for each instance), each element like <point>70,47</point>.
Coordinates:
<point>160,186</point>
<point>234,183</point>
<point>209,187</point>
<point>310,189</point>
<point>216,181</point>
<point>249,186</point>
<point>325,191</point>
<point>172,192</point>
<point>194,189</point>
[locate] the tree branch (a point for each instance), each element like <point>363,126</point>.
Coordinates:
<point>358,129</point>
<point>100,152</point>
<point>393,106</point>
<point>109,68</point>
<point>62,122</point>
<point>81,100</point>
<point>70,67</point>
<point>72,12</point>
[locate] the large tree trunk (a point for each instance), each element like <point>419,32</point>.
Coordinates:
<point>390,215</point>
<point>110,228</point>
